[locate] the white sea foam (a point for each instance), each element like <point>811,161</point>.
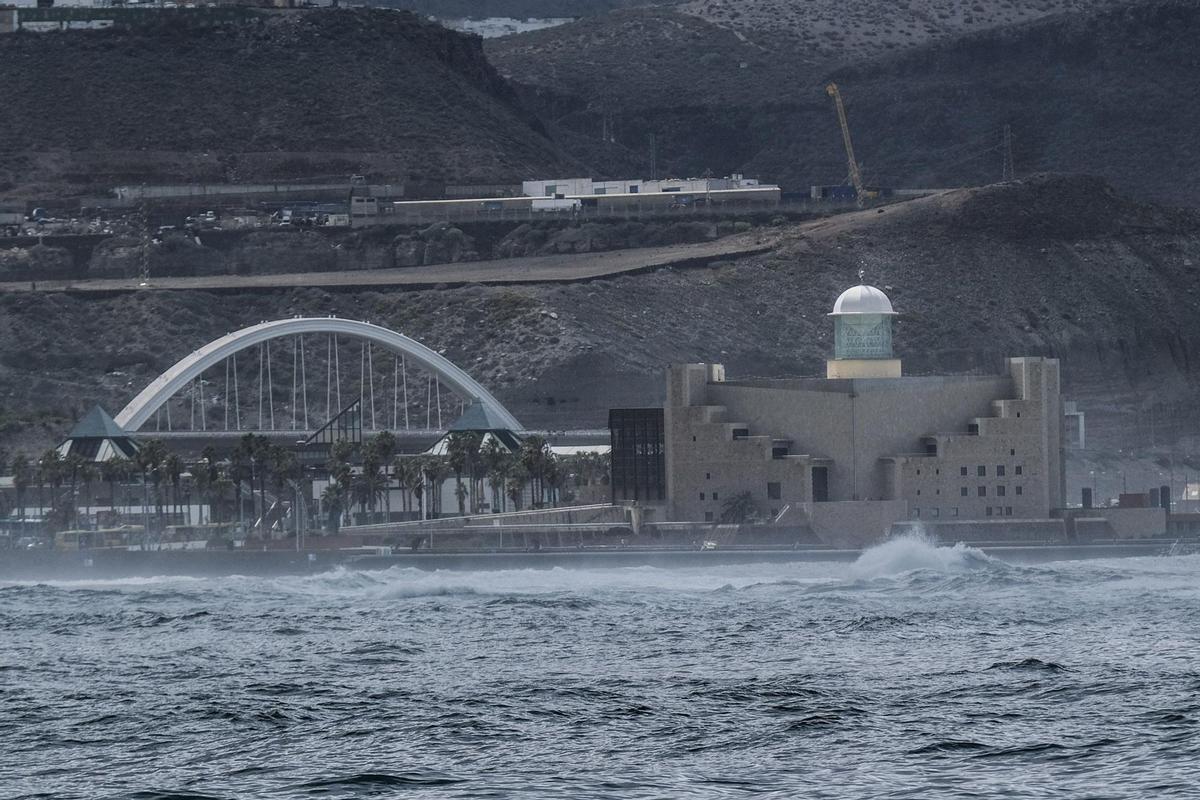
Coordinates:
<point>919,552</point>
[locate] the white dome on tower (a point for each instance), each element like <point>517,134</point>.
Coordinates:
<point>863,299</point>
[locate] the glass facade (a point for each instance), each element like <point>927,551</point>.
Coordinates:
<point>866,336</point>
<point>638,454</point>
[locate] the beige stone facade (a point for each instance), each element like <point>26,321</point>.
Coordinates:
<point>943,448</point>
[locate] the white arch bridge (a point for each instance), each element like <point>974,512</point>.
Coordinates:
<point>398,381</point>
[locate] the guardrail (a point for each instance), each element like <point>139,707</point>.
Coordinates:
<point>528,519</point>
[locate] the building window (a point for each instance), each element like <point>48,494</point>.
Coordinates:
<point>962,470</point>
<point>982,491</point>
<point>1018,469</point>
<point>702,495</point>
<point>708,476</point>
<point>708,516</point>
<point>741,433</point>
<point>1012,452</point>
<point>693,438</point>
<point>1008,511</point>
<point>936,512</point>
<point>774,491</point>
<point>954,512</point>
<point>918,472</point>
<point>1020,491</point>
<point>1018,415</point>
<point>918,492</point>
<point>981,471</point>
<point>999,470</point>
<point>989,511</point>
<point>714,495</point>
<point>937,472</point>
<point>1000,490</point>
<point>962,492</point>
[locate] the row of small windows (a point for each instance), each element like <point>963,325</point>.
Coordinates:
<point>981,491</point>
<point>981,471</point>
<point>992,511</point>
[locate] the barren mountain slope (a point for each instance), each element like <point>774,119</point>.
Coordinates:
<point>1051,265</point>
<point>1100,93</point>
<point>865,28</point>
<point>274,95</point>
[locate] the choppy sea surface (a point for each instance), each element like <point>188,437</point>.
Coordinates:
<point>917,672</point>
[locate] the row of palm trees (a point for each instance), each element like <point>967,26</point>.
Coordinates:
<point>487,476</point>
<point>166,481</point>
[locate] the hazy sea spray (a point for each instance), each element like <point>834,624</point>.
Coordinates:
<point>920,552</point>
<point>935,671</point>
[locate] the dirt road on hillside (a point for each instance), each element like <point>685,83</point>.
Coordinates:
<point>539,269</point>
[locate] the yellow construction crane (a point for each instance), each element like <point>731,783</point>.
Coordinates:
<point>855,176</point>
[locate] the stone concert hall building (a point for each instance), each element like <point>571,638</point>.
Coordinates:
<point>865,447</point>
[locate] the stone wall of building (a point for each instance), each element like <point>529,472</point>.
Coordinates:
<point>961,447</point>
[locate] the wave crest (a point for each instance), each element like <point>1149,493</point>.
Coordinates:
<point>914,552</point>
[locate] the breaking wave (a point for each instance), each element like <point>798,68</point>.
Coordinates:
<point>915,552</point>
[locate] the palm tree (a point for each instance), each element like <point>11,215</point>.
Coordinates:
<point>284,466</point>
<point>738,508</point>
<point>49,471</point>
<point>149,460</point>
<point>220,488</point>
<point>518,478</point>
<point>436,471</point>
<point>112,472</point>
<point>460,494</point>
<point>407,476</point>
<point>458,447</point>
<point>497,463</point>
<point>535,457</point>
<point>333,499</point>
<point>87,475</point>
<point>417,465</point>
<point>369,485</point>
<point>383,446</point>
<point>256,450</point>
<point>236,473</point>
<point>70,467</point>
<point>22,477</point>
<point>205,476</point>
<point>553,476</point>
<point>172,466</point>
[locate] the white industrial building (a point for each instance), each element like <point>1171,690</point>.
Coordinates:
<point>582,187</point>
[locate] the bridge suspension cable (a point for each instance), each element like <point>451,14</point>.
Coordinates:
<point>184,383</point>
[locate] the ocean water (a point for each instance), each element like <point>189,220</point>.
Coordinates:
<point>917,671</point>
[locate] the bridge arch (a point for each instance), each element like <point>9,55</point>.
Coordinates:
<point>150,399</point>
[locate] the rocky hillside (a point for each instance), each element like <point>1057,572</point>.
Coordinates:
<point>1050,265</point>
<point>1098,90</point>
<point>273,95</point>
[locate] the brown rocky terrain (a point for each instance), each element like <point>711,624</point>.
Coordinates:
<point>1050,265</point>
